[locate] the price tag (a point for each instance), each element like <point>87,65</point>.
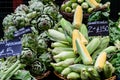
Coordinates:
<point>22,31</point>
<point>98,28</point>
<point>10,48</point>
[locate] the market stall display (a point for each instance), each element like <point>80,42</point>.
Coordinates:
<point>76,40</point>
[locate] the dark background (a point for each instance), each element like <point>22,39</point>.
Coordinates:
<point>115,8</point>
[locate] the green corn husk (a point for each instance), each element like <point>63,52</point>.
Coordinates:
<point>84,74</point>
<point>64,55</point>
<point>67,26</point>
<point>56,35</point>
<point>104,43</point>
<point>94,75</point>
<point>84,30</point>
<point>108,70</point>
<point>58,44</point>
<point>109,49</point>
<point>78,67</point>
<point>58,69</point>
<point>64,63</point>
<point>66,71</point>
<point>73,76</point>
<point>93,45</point>
<point>58,50</point>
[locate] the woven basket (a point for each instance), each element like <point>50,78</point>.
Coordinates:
<point>42,76</point>
<point>59,76</point>
<point>69,16</point>
<point>112,78</point>
<point>63,78</point>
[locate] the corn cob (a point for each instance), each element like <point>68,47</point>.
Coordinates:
<point>64,55</point>
<point>67,26</point>
<point>103,44</point>
<point>73,76</point>
<point>83,52</point>
<point>58,50</point>
<point>84,74</point>
<point>78,16</point>
<point>66,71</point>
<point>78,67</point>
<point>108,70</point>
<point>93,45</point>
<point>93,3</point>
<point>64,63</point>
<point>54,35</point>
<point>69,39</point>
<point>110,49</point>
<point>75,35</point>
<point>61,30</point>
<point>57,60</point>
<point>58,44</point>
<point>58,69</point>
<point>83,39</point>
<point>100,61</point>
<point>83,29</point>
<point>94,75</point>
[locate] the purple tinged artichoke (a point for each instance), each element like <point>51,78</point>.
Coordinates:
<point>20,20</point>
<point>44,22</point>
<point>36,6</point>
<point>22,9</point>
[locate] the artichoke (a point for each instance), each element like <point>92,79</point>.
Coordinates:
<point>20,20</point>
<point>47,1</point>
<point>51,10</point>
<point>7,21</point>
<point>32,1</point>
<point>37,68</point>
<point>42,41</point>
<point>27,56</point>
<point>43,1</point>
<point>9,33</point>
<point>22,9</point>
<point>47,42</point>
<point>30,41</point>
<point>36,6</point>
<point>33,22</point>
<point>44,22</point>
<point>46,58</point>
